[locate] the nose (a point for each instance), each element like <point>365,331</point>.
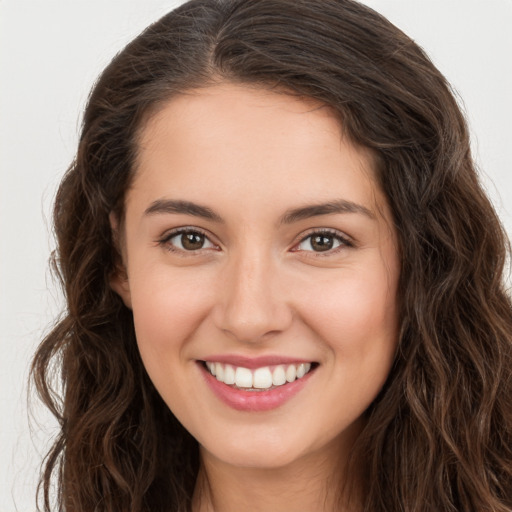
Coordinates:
<point>253,306</point>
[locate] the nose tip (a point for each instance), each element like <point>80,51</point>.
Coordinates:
<point>253,306</point>
<point>250,330</point>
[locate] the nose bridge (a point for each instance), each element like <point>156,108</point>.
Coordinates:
<point>252,304</point>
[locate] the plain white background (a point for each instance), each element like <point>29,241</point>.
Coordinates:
<point>51,52</point>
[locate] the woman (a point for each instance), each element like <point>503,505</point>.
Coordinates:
<point>284,281</point>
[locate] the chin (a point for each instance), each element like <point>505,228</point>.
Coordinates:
<point>255,452</point>
<point>257,459</point>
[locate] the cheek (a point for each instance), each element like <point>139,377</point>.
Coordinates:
<point>355,317</point>
<point>167,308</point>
<point>354,307</point>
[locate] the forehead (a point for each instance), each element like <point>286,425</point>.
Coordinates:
<point>227,138</point>
<point>233,112</point>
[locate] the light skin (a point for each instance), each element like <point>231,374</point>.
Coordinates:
<point>294,255</point>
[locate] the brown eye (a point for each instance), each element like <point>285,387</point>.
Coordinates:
<point>192,241</point>
<point>322,242</point>
<point>189,240</point>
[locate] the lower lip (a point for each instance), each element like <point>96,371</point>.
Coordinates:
<point>255,401</point>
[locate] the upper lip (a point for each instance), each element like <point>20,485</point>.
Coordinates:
<point>255,362</point>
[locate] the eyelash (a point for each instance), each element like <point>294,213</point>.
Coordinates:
<point>344,241</point>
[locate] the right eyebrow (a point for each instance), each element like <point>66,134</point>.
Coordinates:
<point>184,207</point>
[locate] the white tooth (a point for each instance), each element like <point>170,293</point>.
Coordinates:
<point>211,367</point>
<point>301,370</point>
<point>291,373</point>
<point>243,377</point>
<point>219,371</point>
<point>262,378</point>
<point>279,376</point>
<point>308,367</point>
<point>229,375</point>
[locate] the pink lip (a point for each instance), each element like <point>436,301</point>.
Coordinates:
<point>254,362</point>
<point>254,401</point>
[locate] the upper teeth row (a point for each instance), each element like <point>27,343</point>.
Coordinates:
<point>260,378</point>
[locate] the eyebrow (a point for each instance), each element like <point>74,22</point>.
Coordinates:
<point>184,207</point>
<point>293,215</point>
<point>331,207</point>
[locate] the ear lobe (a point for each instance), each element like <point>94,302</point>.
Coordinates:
<point>119,281</point>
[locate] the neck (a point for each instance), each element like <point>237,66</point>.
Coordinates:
<point>316,482</point>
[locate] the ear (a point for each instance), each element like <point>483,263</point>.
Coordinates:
<point>119,281</point>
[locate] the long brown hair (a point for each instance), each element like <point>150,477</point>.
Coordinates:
<point>439,435</point>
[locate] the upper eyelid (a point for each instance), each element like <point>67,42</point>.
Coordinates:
<point>330,231</point>
<point>170,233</point>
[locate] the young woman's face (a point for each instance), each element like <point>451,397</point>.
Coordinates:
<point>258,244</point>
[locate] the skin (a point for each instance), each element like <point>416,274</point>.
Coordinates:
<point>257,287</point>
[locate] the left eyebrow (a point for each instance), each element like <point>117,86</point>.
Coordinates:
<point>331,207</point>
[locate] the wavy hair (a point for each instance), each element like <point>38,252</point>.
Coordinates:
<point>439,435</point>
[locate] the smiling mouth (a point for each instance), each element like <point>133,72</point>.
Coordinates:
<point>264,378</point>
